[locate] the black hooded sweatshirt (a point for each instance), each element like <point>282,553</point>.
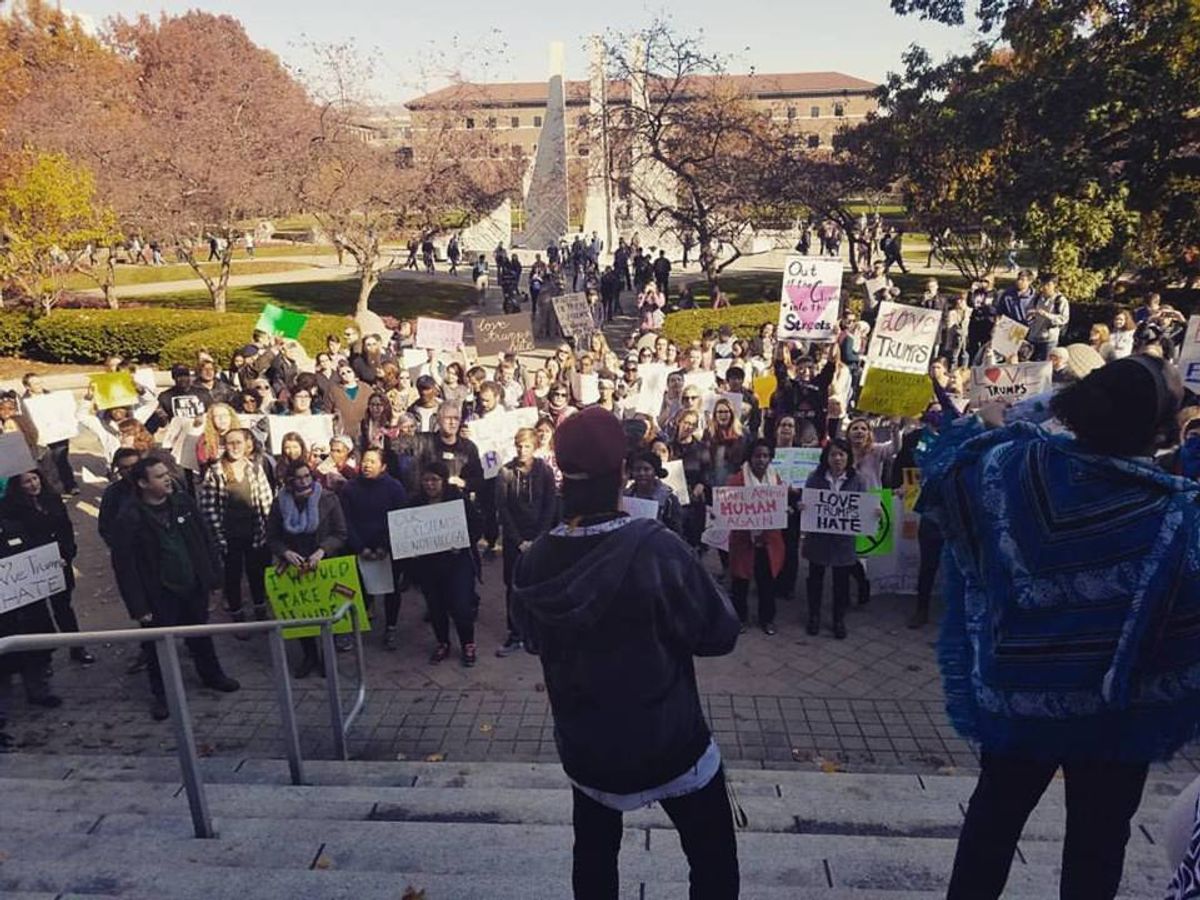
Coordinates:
<point>616,618</point>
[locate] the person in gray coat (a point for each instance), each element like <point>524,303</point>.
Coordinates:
<point>835,472</point>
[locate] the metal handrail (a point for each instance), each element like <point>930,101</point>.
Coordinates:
<point>168,660</point>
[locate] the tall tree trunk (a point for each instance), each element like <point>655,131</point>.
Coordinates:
<point>110,283</point>
<point>221,293</point>
<point>367,279</point>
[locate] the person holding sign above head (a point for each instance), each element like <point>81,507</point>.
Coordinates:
<point>447,578</point>
<point>616,608</point>
<point>756,554</point>
<point>166,565</point>
<point>835,472</point>
<point>306,525</point>
<point>59,450</point>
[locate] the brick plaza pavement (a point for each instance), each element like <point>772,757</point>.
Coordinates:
<point>869,703</point>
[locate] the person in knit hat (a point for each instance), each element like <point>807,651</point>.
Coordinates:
<point>616,608</point>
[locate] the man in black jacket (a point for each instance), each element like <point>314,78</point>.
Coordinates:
<point>166,565</point>
<point>617,608</point>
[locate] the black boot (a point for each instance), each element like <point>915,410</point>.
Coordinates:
<point>839,620</point>
<point>920,616</point>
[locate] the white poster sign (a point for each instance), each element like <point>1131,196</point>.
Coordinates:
<point>795,464</point>
<point>1007,335</point>
<point>839,512</point>
<point>904,338</point>
<point>53,414</point>
<point>676,480</point>
<point>810,299</point>
<point>639,508</point>
<point>751,508</point>
<point>31,576</point>
<point>1189,355</point>
<point>315,429</point>
<point>714,536</point>
<point>1011,383</point>
<point>15,456</point>
<point>438,334</point>
<point>421,530</point>
<point>376,576</point>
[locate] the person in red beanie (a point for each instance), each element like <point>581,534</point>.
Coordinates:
<point>617,608</point>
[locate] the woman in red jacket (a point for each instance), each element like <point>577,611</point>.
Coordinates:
<point>756,554</point>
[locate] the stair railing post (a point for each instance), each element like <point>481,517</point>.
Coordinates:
<point>181,720</point>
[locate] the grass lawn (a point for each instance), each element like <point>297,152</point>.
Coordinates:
<point>127,274</point>
<point>401,298</point>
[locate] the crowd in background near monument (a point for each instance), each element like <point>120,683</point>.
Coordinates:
<point>271,459</point>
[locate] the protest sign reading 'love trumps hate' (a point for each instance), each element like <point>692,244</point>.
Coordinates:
<point>904,338</point>
<point>838,512</point>
<point>31,576</point>
<point>421,530</point>
<point>1189,355</point>
<point>503,334</point>
<point>810,299</point>
<point>750,508</point>
<point>1010,383</point>
<point>315,593</point>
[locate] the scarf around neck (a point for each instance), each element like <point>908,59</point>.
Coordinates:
<point>297,520</point>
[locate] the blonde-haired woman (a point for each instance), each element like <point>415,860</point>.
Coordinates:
<point>726,441</point>
<point>219,420</point>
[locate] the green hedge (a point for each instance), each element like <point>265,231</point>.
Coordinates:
<point>89,335</point>
<point>14,332</point>
<point>222,340</point>
<point>687,325</point>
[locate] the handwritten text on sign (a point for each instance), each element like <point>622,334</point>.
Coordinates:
<point>904,337</point>
<point>422,530</point>
<point>320,592</point>
<point>438,334</point>
<point>31,576</point>
<point>1189,355</point>
<point>502,334</point>
<point>753,508</point>
<point>838,512</point>
<point>1010,383</point>
<point>574,316</point>
<point>810,298</point>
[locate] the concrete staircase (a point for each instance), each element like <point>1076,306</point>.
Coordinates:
<point>102,827</point>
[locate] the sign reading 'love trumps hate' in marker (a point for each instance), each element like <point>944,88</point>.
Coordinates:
<point>1010,383</point>
<point>811,299</point>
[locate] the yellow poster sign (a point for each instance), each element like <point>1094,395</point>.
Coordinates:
<point>889,393</point>
<point>764,387</point>
<point>912,489</point>
<point>113,389</point>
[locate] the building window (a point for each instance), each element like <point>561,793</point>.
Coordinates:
<point>814,141</point>
<point>815,112</point>
<point>839,109</point>
<point>537,121</point>
<point>491,122</point>
<point>791,113</point>
<point>515,122</point>
<point>515,150</point>
<point>470,122</point>
<point>582,121</point>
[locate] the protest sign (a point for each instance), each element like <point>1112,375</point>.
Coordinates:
<point>275,320</point>
<point>873,286</point>
<point>574,317</point>
<point>734,400</point>
<point>438,334</point>
<point>113,389</point>
<point>320,592</point>
<point>639,508</point>
<point>897,572</point>
<point>751,508</point>
<point>721,366</point>
<point>889,393</point>
<point>585,388</point>
<point>795,464</point>
<point>1007,335</point>
<point>15,456</point>
<point>882,541</point>
<point>493,436</point>
<point>810,299</point>
<point>763,387</point>
<point>713,535</point>
<point>703,380</point>
<point>838,512</point>
<point>421,530</point>
<point>911,488</point>
<point>315,429</point>
<point>53,415</point>
<point>30,576</point>
<point>904,338</point>
<point>1189,355</point>
<point>503,334</point>
<point>188,406</point>
<point>676,480</point>
<point>654,386</point>
<point>376,576</point>
<point>143,377</point>
<point>1010,383</point>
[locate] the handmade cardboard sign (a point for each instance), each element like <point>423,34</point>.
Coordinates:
<point>53,415</point>
<point>751,508</point>
<point>30,576</point>
<point>113,389</point>
<point>882,541</point>
<point>438,334</point>
<point>319,592</point>
<point>280,322</point>
<point>422,530</point>
<point>838,512</point>
<point>676,480</point>
<point>315,429</point>
<point>904,338</point>
<point>889,393</point>
<point>795,464</point>
<point>1189,355</point>
<point>574,317</point>
<point>639,508</point>
<point>503,334</point>
<point>810,299</point>
<point>1010,383</point>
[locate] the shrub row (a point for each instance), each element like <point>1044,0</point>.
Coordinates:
<point>687,325</point>
<point>89,335</point>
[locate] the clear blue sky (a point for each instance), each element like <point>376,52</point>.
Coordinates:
<point>858,37</point>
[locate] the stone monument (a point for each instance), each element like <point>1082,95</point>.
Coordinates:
<point>546,202</point>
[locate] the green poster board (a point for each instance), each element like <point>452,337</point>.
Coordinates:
<point>307,595</point>
<point>883,541</point>
<point>280,322</point>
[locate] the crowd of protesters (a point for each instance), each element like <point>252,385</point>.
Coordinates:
<point>183,517</point>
